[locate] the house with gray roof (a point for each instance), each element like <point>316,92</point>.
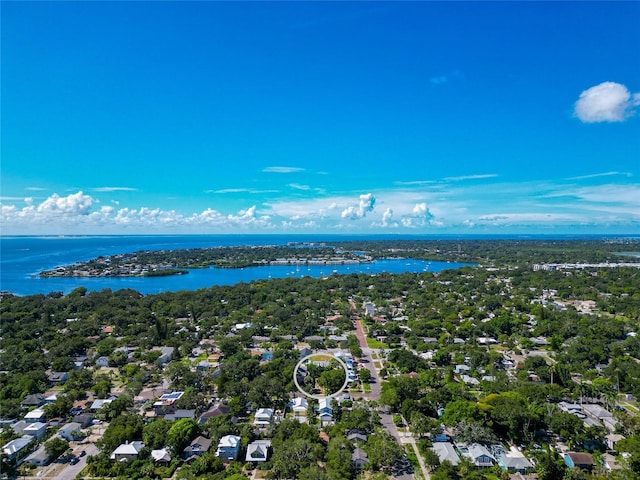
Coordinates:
<point>18,447</point>
<point>258,451</point>
<point>478,454</point>
<point>446,452</point>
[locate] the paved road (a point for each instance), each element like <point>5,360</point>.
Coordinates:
<point>71,471</point>
<point>385,418</point>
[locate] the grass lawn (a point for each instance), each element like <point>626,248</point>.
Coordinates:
<point>373,343</point>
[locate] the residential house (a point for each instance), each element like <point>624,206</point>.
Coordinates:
<point>33,400</point>
<point>469,380</point>
<point>161,456</point>
<point>369,308</point>
<point>583,461</point>
<point>299,406</point>
<point>263,417</point>
<point>216,411</point>
<point>18,447</point>
<point>166,354</point>
<point>613,439</point>
<point>596,412</point>
<point>102,361</point>
<point>35,416</point>
<point>57,377</point>
<point>258,451</point>
<point>99,403</point>
<point>127,451</point>
<point>180,414</point>
<point>166,403</point>
<point>39,458</point>
<point>70,431</point>
<point>359,458</point>
<point>610,463</point>
<point>305,352</point>
<point>18,427</point>
<point>325,404</point>
<point>84,419</point>
<point>512,461</point>
<point>446,451</point>
<point>356,435</point>
<point>36,430</point>
<point>199,446</point>
<point>228,447</point>
<point>79,361</point>
<point>478,454</point>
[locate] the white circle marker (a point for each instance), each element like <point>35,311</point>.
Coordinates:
<point>324,355</point>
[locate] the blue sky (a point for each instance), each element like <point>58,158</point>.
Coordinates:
<point>336,117</point>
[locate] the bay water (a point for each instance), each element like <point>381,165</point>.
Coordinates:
<point>22,258</point>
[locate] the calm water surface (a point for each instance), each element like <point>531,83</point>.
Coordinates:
<point>22,258</point>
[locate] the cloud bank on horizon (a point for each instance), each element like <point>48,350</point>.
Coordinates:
<point>411,210</point>
<point>275,117</point>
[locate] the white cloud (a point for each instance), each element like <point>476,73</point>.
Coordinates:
<point>74,204</point>
<point>115,189</point>
<point>471,177</point>
<point>35,189</point>
<point>387,218</point>
<point>607,102</point>
<point>596,175</point>
<point>297,186</point>
<point>283,169</point>
<point>252,191</point>
<point>367,202</point>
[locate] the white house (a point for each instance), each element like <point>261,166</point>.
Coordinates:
<point>36,430</point>
<point>299,406</point>
<point>35,416</point>
<point>263,417</point>
<point>70,431</point>
<point>161,456</point>
<point>127,451</point>
<point>258,451</point>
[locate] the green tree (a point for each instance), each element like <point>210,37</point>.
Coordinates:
<point>382,450</point>
<point>332,380</point>
<point>154,434</point>
<point>365,375</point>
<point>56,447</point>
<point>181,433</point>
